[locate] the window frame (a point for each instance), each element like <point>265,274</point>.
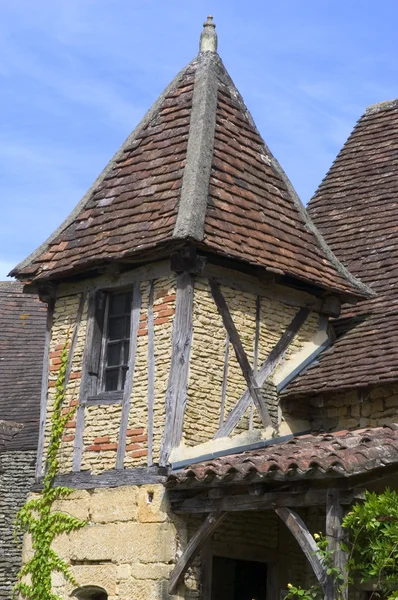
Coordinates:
<point>97,346</point>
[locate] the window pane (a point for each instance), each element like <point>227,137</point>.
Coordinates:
<point>116,329</point>
<point>126,352</point>
<point>124,371</point>
<point>111,378</point>
<point>117,304</point>
<point>114,357</point>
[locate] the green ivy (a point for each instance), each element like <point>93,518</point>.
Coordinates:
<point>37,518</point>
<point>372,549</point>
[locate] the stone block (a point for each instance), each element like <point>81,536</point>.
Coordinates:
<point>152,504</point>
<point>151,571</point>
<point>76,505</point>
<point>104,576</point>
<point>124,542</point>
<point>113,505</point>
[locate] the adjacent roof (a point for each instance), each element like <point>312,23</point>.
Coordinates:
<point>195,169</point>
<point>332,455</point>
<point>22,331</point>
<point>356,210</point>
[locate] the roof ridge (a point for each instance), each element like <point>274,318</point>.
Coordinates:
<point>147,118</point>
<point>192,207</point>
<point>381,106</point>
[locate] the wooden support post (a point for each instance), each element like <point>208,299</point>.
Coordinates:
<point>128,386</point>
<point>206,568</point>
<point>195,544</point>
<point>44,389</point>
<point>305,540</point>
<point>335,535</point>
<point>252,385</point>
<point>151,370</point>
<point>176,394</point>
<point>224,380</point>
<point>265,370</point>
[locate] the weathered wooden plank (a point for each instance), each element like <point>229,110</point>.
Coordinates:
<point>105,398</point>
<point>73,342</point>
<point>128,386</point>
<point>151,370</point>
<point>240,353</point>
<point>336,535</point>
<point>266,369</point>
<point>44,389</point>
<point>89,379</point>
<point>224,380</point>
<point>206,568</point>
<point>202,535</point>
<point>255,354</point>
<point>272,580</point>
<point>227,502</point>
<point>85,480</point>
<point>300,532</point>
<point>176,394</point>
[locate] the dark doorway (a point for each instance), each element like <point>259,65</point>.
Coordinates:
<point>238,579</point>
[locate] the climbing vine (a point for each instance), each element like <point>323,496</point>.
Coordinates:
<point>372,549</point>
<point>37,517</point>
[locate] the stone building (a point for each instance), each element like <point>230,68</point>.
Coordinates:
<point>22,327</point>
<point>194,291</point>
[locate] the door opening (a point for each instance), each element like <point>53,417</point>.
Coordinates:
<point>238,579</point>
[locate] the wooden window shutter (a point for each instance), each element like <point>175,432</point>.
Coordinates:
<point>95,324</point>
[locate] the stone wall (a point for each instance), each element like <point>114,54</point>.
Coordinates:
<point>16,476</point>
<point>353,409</point>
<point>204,392</point>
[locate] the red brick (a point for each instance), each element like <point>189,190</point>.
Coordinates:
<point>133,447</point>
<point>142,332</point>
<point>161,321</point>
<point>139,453</point>
<point>136,431</point>
<point>102,440</point>
<point>111,446</point>
<point>94,449</point>
<point>70,424</point>
<point>75,375</point>
<point>139,438</point>
<point>68,438</point>
<point>73,402</point>
<point>166,313</point>
<point>56,354</point>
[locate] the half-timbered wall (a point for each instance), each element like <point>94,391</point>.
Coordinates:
<point>215,380</point>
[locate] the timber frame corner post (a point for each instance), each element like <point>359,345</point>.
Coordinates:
<point>334,535</point>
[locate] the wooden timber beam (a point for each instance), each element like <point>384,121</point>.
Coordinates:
<point>265,370</point>
<point>306,542</point>
<point>128,386</point>
<point>252,384</point>
<point>195,544</point>
<point>176,394</point>
<point>223,500</point>
<point>335,535</point>
<point>44,389</point>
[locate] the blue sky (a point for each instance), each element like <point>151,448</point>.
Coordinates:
<point>77,75</point>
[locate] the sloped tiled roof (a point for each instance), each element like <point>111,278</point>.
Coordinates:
<point>22,331</point>
<point>340,454</point>
<point>195,170</point>
<point>356,210</point>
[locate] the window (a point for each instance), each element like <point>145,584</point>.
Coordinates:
<point>108,345</point>
<point>116,345</point>
<point>90,592</point>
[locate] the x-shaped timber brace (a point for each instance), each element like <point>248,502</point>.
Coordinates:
<point>176,394</point>
<point>219,502</point>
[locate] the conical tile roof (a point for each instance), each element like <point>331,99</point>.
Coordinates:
<point>194,170</point>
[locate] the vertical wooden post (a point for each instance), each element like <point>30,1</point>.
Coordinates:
<point>151,370</point>
<point>224,380</point>
<point>206,568</point>
<point>176,394</point>
<point>335,535</point>
<point>44,389</point>
<point>128,386</point>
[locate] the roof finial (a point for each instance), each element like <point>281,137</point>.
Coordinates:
<point>208,37</point>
